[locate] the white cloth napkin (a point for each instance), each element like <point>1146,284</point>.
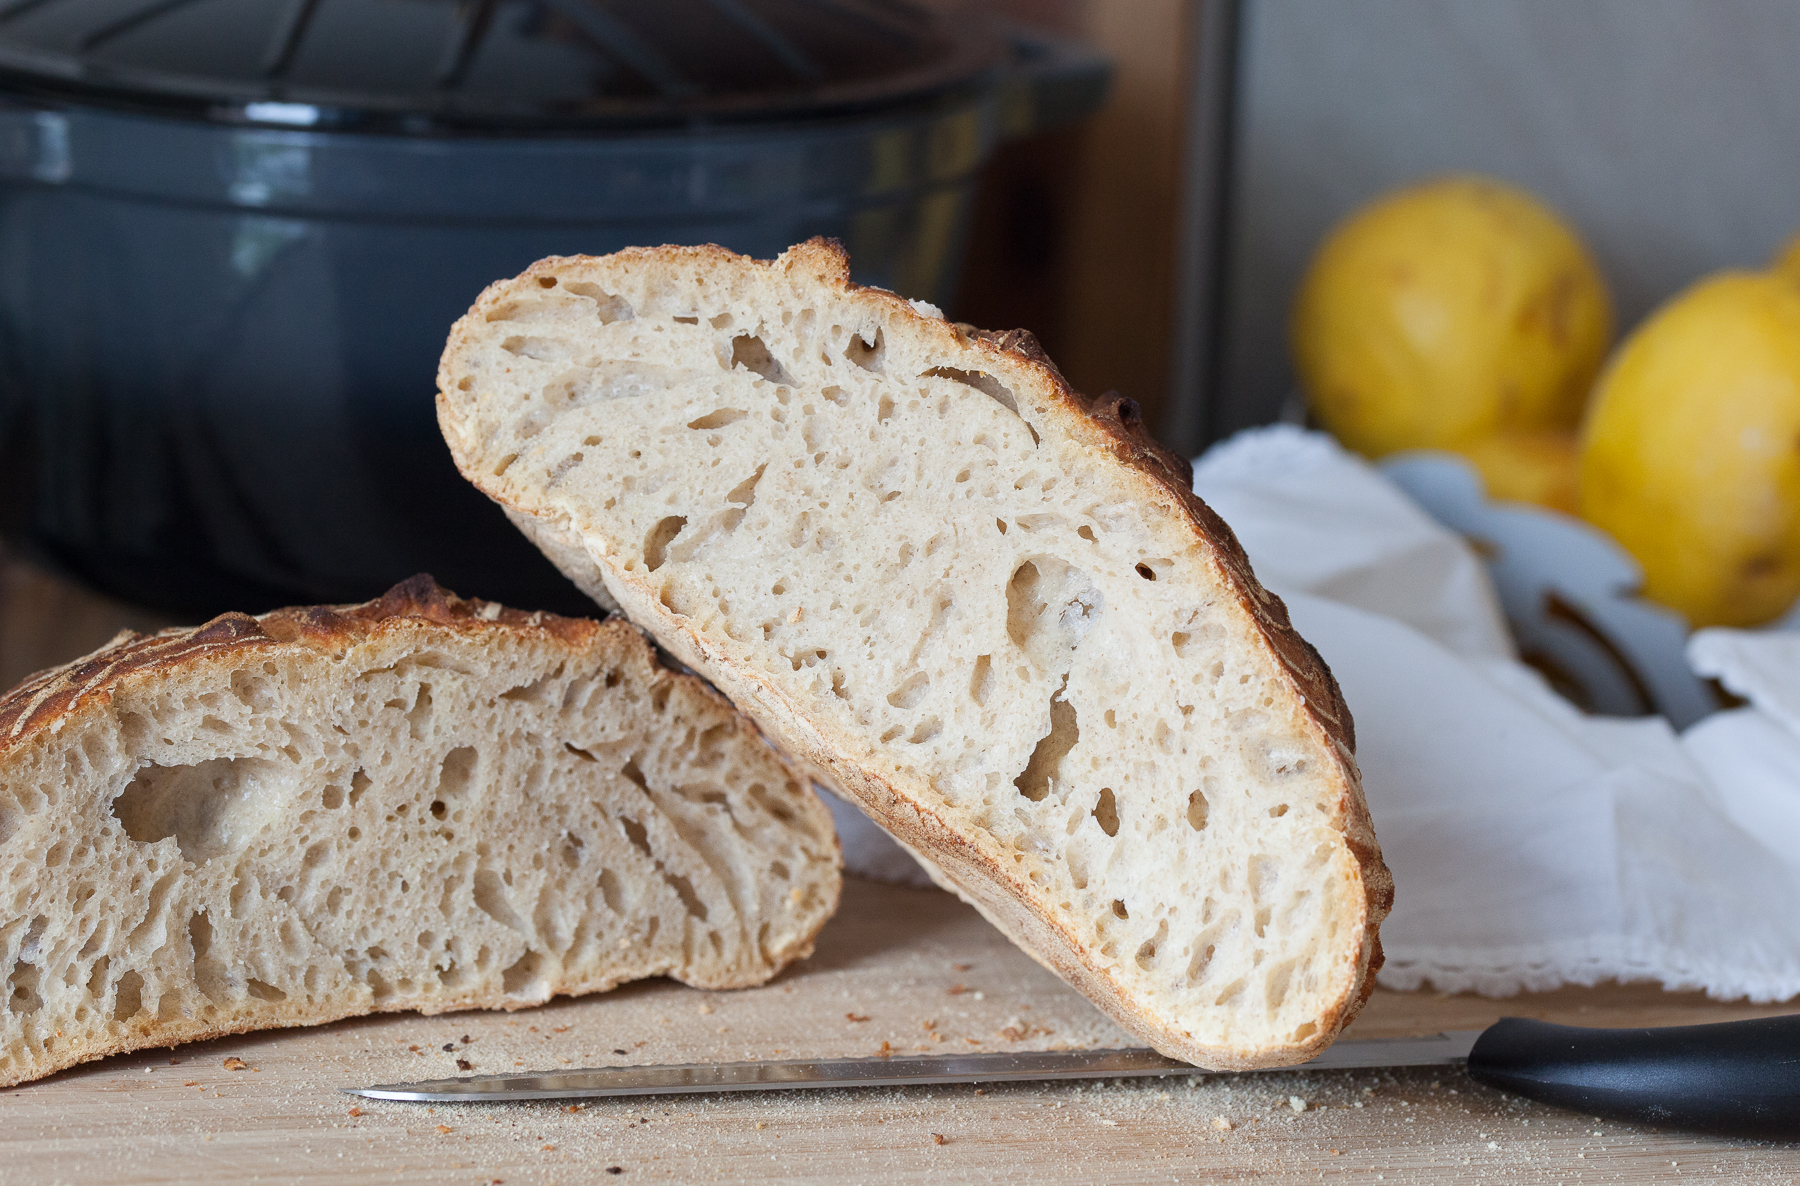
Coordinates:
<point>1531,845</point>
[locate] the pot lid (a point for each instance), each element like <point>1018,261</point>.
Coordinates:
<point>427,66</point>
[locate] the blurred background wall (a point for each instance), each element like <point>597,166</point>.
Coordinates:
<point>1074,234</point>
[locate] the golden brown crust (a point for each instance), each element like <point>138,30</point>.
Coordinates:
<point>44,697</point>
<point>1111,424</point>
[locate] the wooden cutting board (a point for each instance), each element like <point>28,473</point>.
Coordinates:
<point>902,970</point>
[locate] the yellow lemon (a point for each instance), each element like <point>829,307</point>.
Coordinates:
<point>1536,467</point>
<point>1691,451</point>
<point>1788,258</point>
<point>1448,312</point>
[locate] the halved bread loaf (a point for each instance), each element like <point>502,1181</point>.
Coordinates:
<point>993,615</point>
<point>418,803</point>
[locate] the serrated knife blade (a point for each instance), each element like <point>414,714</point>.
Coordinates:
<point>892,1071</point>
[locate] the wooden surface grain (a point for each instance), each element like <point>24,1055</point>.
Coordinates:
<point>900,969</point>
<point>905,970</point>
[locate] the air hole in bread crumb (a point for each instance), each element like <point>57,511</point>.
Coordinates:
<point>1146,954</point>
<point>96,981</point>
<point>741,496</point>
<point>866,354</point>
<point>1050,607</point>
<point>263,991</point>
<point>505,463</point>
<point>1180,642</point>
<point>1106,812</point>
<point>22,997</point>
<point>128,997</point>
<point>989,386</point>
<point>1045,765</point>
<point>751,353</point>
<point>684,889</point>
<point>718,419</point>
<point>656,544</point>
<point>537,349</point>
<point>884,409</point>
<point>611,308</point>
<point>765,799</point>
<point>981,680</point>
<point>1202,960</point>
<point>208,808</point>
<point>546,281</point>
<point>1145,571</point>
<point>457,773</point>
<point>911,691</point>
<point>1118,909</point>
<point>687,320</point>
<point>1278,811</point>
<point>1196,811</point>
<point>523,974</point>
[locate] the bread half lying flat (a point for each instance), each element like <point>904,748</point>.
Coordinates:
<point>418,803</point>
<point>994,615</point>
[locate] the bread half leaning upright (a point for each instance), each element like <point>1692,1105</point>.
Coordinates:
<point>418,803</point>
<point>991,613</point>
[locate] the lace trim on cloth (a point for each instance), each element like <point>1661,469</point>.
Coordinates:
<point>1505,972</point>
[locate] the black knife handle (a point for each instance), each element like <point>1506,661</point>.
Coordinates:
<point>1732,1078</point>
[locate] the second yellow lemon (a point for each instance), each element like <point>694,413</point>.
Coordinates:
<point>1446,313</point>
<point>1788,258</point>
<point>1539,467</point>
<point>1691,453</point>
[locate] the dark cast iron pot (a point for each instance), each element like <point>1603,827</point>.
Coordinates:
<point>233,235</point>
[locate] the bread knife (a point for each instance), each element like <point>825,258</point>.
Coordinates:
<point>1735,1078</point>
